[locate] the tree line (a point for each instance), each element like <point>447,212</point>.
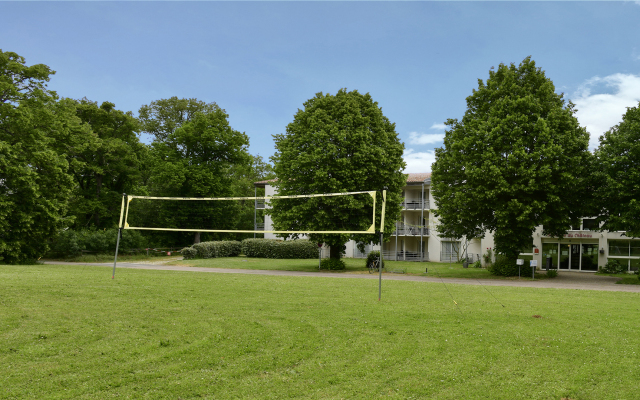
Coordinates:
<point>516,160</point>
<point>65,163</point>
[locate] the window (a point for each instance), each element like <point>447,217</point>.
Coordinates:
<point>626,252</point>
<point>550,250</point>
<point>527,249</point>
<point>449,251</point>
<point>589,224</point>
<point>618,248</point>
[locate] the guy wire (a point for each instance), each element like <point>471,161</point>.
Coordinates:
<point>450,295</point>
<point>485,288</point>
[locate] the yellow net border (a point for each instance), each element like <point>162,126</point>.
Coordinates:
<point>124,212</point>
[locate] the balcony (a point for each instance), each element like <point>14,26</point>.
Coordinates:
<point>259,226</point>
<point>260,203</point>
<point>410,230</point>
<point>390,255</point>
<point>415,205</point>
<point>447,256</point>
<point>405,255</point>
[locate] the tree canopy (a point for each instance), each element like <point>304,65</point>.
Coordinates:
<point>516,160</point>
<point>162,117</point>
<point>618,192</point>
<point>34,179</point>
<point>105,163</point>
<point>337,143</point>
<point>196,160</point>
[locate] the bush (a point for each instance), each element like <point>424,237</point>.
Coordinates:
<point>67,244</point>
<point>477,264</point>
<point>189,253</point>
<point>552,273</point>
<point>222,248</point>
<point>505,267</point>
<point>271,248</point>
<point>332,264</point>
<point>613,267</point>
<point>373,256</point>
<point>488,256</point>
<point>70,243</point>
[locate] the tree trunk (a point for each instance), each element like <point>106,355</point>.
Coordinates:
<point>196,239</point>
<point>335,252</point>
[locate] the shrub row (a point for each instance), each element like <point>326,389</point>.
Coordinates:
<point>71,243</point>
<point>223,248</point>
<point>505,267</point>
<point>271,248</point>
<point>189,253</point>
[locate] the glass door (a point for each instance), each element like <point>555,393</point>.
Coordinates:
<point>575,257</point>
<point>564,255</point>
<point>589,257</point>
<point>550,250</point>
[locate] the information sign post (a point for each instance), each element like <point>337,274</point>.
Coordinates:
<point>533,264</point>
<point>519,263</point>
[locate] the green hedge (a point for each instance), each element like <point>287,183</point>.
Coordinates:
<point>223,248</point>
<point>271,248</point>
<point>333,264</point>
<point>71,243</point>
<point>505,267</point>
<point>613,267</point>
<point>189,253</point>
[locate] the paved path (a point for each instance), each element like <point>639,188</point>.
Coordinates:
<point>564,280</point>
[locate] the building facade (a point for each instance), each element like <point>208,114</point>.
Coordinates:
<point>415,238</point>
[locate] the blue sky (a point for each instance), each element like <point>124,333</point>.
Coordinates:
<point>261,60</point>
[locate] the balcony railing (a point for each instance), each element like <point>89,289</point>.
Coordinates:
<point>446,256</point>
<point>410,230</point>
<point>415,205</point>
<point>405,255</point>
<point>391,255</point>
<point>259,226</point>
<point>260,203</point>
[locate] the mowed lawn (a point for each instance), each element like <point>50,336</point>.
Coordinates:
<point>354,265</point>
<point>73,332</point>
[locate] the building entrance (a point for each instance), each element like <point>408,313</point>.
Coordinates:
<point>571,256</point>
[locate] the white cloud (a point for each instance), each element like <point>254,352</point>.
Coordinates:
<point>425,138</point>
<point>428,138</point>
<point>418,162</point>
<point>599,112</point>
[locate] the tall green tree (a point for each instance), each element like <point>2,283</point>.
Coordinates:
<point>516,160</point>
<point>34,179</point>
<point>105,164</point>
<point>338,143</point>
<point>196,161</point>
<point>162,117</point>
<point>618,192</point>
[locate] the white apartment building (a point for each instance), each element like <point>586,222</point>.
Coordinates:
<point>416,238</point>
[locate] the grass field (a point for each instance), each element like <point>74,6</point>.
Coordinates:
<point>72,332</point>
